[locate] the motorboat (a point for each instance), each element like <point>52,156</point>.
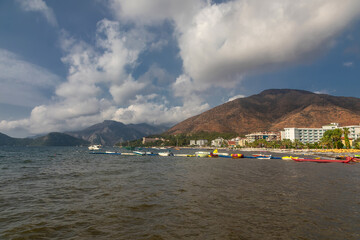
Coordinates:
<point>95,147</point>
<point>202,154</point>
<point>165,154</point>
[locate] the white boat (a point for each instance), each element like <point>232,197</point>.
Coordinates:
<point>165,154</point>
<point>202,154</point>
<point>139,153</point>
<point>94,147</point>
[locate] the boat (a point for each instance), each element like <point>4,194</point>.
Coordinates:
<point>95,147</point>
<point>237,155</point>
<point>213,155</point>
<point>182,155</point>
<point>261,156</point>
<point>289,158</point>
<point>151,154</point>
<point>347,160</point>
<point>139,153</point>
<point>165,154</point>
<point>107,152</point>
<point>202,154</point>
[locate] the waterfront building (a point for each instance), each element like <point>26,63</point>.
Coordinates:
<point>240,141</point>
<point>268,136</point>
<point>200,143</point>
<point>231,143</point>
<point>312,135</point>
<point>218,142</point>
<point>304,135</point>
<point>151,140</point>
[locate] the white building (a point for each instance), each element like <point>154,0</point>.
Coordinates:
<point>312,135</point>
<point>268,136</point>
<point>200,143</point>
<point>305,135</point>
<point>218,142</point>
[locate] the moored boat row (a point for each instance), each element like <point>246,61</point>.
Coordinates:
<point>215,153</point>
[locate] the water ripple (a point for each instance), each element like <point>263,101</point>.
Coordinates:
<point>66,193</point>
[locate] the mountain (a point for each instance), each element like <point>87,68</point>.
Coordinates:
<point>111,132</point>
<point>58,139</point>
<point>273,110</point>
<point>51,139</point>
<point>5,140</point>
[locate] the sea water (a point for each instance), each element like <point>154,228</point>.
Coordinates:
<point>67,193</point>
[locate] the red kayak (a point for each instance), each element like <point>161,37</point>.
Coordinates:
<point>347,160</point>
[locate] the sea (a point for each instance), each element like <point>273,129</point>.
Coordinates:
<point>68,193</point>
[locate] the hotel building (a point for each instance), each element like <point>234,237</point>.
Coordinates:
<point>312,135</point>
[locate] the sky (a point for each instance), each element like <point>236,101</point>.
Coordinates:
<point>66,65</point>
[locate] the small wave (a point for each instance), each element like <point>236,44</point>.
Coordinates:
<point>143,207</point>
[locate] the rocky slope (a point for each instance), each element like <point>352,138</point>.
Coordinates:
<point>272,110</point>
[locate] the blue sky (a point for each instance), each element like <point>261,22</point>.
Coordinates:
<point>65,65</point>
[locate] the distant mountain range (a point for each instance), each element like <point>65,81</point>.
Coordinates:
<point>51,139</point>
<point>273,110</point>
<point>107,133</point>
<point>112,132</point>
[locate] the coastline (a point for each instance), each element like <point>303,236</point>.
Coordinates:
<point>330,153</point>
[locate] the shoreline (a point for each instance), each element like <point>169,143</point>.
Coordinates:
<point>332,153</point>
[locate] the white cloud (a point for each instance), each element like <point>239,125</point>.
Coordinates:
<point>229,40</point>
<point>100,86</point>
<point>123,93</point>
<point>95,73</point>
<point>23,83</point>
<point>222,43</point>
<point>348,64</point>
<point>39,6</point>
<point>91,67</point>
<point>236,97</point>
<point>151,110</point>
<point>323,91</point>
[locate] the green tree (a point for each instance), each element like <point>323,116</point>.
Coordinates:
<point>332,139</point>
<point>346,136</point>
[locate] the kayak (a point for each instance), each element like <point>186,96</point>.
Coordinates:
<point>323,160</point>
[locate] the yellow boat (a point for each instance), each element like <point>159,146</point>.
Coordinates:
<point>289,158</point>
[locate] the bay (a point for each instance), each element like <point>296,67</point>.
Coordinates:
<point>67,193</point>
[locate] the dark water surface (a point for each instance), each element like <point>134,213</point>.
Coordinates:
<point>67,193</point>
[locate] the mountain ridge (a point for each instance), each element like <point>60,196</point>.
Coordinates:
<point>110,132</point>
<point>51,139</point>
<point>107,133</point>
<point>273,110</point>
